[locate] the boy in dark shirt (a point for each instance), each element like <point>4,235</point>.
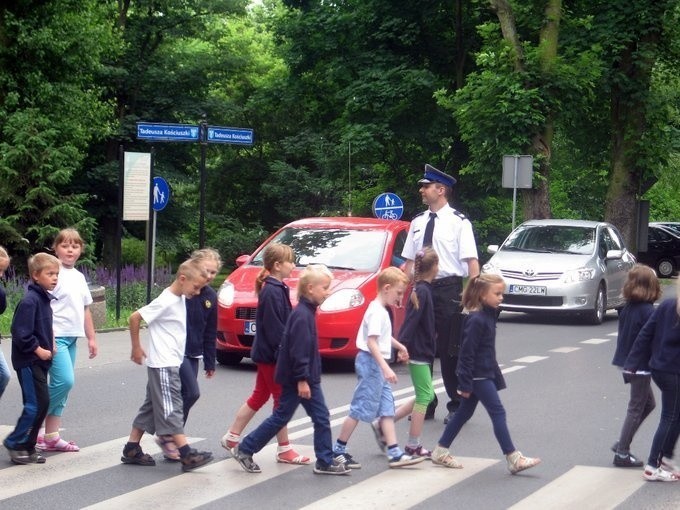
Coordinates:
<point>32,349</point>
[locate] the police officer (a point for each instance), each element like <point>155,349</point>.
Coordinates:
<point>450,234</point>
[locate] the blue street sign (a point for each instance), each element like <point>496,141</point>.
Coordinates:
<point>239,136</point>
<point>167,132</point>
<point>161,194</point>
<point>388,206</point>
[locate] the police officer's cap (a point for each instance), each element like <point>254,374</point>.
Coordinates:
<point>433,175</point>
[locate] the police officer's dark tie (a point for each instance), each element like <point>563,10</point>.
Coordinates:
<point>429,229</point>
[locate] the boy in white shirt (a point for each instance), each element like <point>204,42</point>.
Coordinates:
<point>161,413</point>
<point>373,397</point>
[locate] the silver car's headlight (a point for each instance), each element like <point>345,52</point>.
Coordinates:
<point>491,268</point>
<point>342,300</point>
<point>581,274</point>
<point>225,295</point>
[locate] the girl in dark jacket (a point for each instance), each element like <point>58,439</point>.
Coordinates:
<point>479,376</point>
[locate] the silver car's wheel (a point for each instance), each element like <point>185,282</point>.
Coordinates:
<point>665,268</point>
<point>596,316</point>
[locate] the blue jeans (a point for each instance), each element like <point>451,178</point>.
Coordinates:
<point>4,374</point>
<point>288,403</point>
<point>483,391</point>
<point>188,373</point>
<point>36,398</point>
<point>668,430</point>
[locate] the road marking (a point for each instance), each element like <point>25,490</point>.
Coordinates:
<point>596,341</point>
<point>513,368</point>
<point>615,333</point>
<point>565,350</point>
<point>210,483</point>
<point>402,488</point>
<point>530,359</point>
<point>585,488</point>
<point>61,467</point>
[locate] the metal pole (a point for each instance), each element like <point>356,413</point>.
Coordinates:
<point>514,191</point>
<point>149,240</point>
<point>203,137</point>
<point>349,175</point>
<point>119,226</point>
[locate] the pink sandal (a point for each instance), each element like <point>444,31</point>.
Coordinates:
<point>170,451</point>
<point>59,445</point>
<point>286,455</point>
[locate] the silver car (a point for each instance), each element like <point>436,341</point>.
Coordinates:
<point>562,266</point>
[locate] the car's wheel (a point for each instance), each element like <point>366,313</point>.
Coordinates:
<point>596,316</point>
<point>665,268</point>
<point>228,358</point>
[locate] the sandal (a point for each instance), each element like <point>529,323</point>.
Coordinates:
<point>195,459</point>
<point>286,455</point>
<point>58,445</point>
<point>167,444</point>
<point>518,462</point>
<point>443,457</point>
<point>135,455</point>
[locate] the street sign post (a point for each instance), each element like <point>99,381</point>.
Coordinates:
<point>167,132</point>
<point>238,136</point>
<point>388,206</point>
<point>518,172</point>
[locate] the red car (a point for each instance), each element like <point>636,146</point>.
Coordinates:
<point>354,249</point>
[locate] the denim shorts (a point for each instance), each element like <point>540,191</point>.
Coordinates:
<point>373,394</point>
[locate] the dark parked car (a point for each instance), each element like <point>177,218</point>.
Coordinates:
<point>663,251</point>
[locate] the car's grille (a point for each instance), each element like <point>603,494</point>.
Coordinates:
<point>510,299</point>
<point>246,314</point>
<point>522,275</point>
<point>246,340</point>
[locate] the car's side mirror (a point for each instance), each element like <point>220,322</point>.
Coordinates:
<point>614,254</point>
<point>492,248</point>
<point>242,259</point>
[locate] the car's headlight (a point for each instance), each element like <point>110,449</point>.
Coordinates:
<point>581,274</point>
<point>225,295</point>
<point>491,268</point>
<point>342,300</point>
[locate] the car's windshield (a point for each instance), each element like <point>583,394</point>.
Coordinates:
<point>359,250</point>
<point>552,239</point>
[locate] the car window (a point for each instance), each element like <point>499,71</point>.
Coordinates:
<point>360,250</point>
<point>659,234</point>
<point>399,242</point>
<point>552,239</point>
<point>609,241</point>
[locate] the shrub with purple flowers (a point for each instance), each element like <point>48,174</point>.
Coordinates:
<point>132,290</point>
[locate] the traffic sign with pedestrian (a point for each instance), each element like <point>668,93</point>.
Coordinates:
<point>388,206</point>
<point>161,193</point>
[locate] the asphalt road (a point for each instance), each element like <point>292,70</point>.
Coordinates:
<point>565,403</point>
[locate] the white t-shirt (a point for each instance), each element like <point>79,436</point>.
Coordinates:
<point>166,317</point>
<point>68,310</point>
<point>376,322</point>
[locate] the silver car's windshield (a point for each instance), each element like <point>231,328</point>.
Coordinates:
<point>359,250</point>
<point>552,239</point>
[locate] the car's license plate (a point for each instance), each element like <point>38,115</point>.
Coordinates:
<point>528,289</point>
<point>249,328</point>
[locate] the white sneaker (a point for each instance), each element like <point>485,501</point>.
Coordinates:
<point>669,465</point>
<point>658,474</point>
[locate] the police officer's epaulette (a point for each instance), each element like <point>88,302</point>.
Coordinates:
<point>460,215</point>
<point>419,214</point>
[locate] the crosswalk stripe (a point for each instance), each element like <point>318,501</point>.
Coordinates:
<point>406,486</point>
<point>207,484</point>
<point>67,466</point>
<point>585,488</point>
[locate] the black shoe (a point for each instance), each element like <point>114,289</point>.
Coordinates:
<point>195,460</point>
<point>245,460</point>
<point>335,468</point>
<point>347,460</point>
<point>448,417</point>
<point>627,461</point>
<point>135,455</point>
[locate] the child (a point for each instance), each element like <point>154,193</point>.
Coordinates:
<point>658,346</point>
<point>479,376</point>
<point>200,341</point>
<point>161,411</point>
<point>373,397</point>
<point>32,350</point>
<point>273,310</point>
<point>641,290</point>
<point>4,369</point>
<point>419,335</point>
<point>298,371</point>
<point>71,319</point>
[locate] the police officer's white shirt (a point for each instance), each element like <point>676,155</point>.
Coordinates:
<point>452,239</point>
